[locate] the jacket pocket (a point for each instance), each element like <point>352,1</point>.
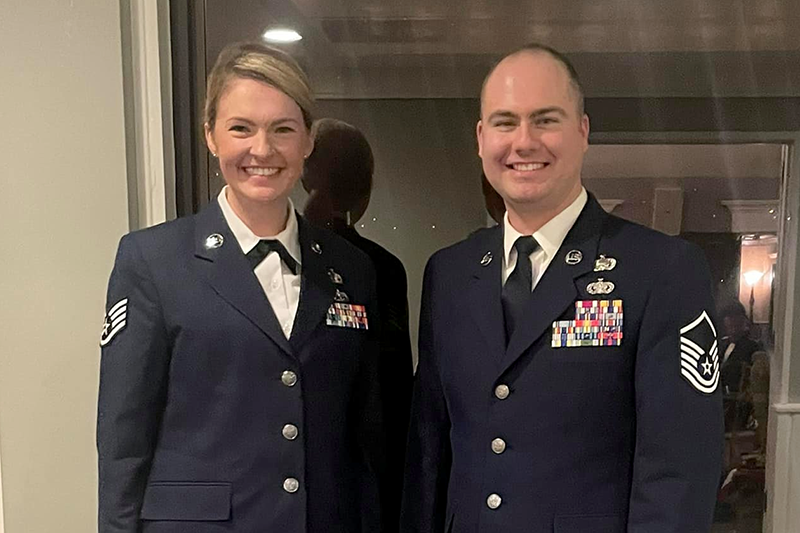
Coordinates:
<point>590,524</point>
<point>187,501</point>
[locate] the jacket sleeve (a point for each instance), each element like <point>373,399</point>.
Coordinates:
<point>428,456</point>
<point>133,381</point>
<point>679,433</point>
<point>367,403</point>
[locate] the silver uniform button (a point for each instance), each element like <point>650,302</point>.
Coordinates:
<point>291,485</point>
<point>290,432</point>
<point>494,501</point>
<point>289,378</point>
<point>502,392</point>
<point>498,446</point>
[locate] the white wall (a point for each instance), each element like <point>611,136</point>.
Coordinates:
<point>63,206</point>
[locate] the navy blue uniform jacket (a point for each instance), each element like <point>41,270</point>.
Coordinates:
<point>595,439</point>
<point>396,365</point>
<point>197,386</point>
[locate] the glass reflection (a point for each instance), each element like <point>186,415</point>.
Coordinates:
<point>408,76</point>
<point>725,201</point>
<point>338,180</point>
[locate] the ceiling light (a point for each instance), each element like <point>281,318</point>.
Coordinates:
<point>281,35</point>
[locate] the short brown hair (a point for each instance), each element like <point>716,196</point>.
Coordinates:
<point>261,63</point>
<point>536,48</point>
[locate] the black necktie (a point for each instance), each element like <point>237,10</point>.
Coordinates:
<point>264,247</point>
<point>519,284</point>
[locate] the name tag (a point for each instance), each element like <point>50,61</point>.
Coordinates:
<point>347,316</point>
<point>597,323</point>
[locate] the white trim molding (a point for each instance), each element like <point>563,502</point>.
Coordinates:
<point>609,205</point>
<point>750,216</point>
<point>787,408</point>
<point>149,122</point>
<point>785,424</point>
<point>783,435</point>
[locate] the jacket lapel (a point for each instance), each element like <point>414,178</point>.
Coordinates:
<point>486,287</point>
<point>556,291</point>
<point>316,289</point>
<point>230,275</point>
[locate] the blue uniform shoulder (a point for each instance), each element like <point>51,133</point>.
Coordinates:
<point>648,245</point>
<point>166,237</point>
<point>478,242</point>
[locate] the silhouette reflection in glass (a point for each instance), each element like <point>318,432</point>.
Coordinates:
<point>338,179</point>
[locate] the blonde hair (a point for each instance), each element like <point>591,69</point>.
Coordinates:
<point>261,63</point>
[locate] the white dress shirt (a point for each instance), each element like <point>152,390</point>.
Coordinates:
<point>550,237</point>
<point>280,285</point>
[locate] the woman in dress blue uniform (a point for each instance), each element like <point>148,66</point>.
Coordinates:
<point>238,380</point>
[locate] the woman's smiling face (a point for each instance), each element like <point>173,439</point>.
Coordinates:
<point>260,139</point>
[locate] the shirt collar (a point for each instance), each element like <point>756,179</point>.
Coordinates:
<point>289,237</point>
<point>550,236</point>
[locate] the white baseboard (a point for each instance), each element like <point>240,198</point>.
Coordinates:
<point>784,491</point>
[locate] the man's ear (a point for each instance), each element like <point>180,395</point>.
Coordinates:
<point>478,134</point>
<point>585,131</point>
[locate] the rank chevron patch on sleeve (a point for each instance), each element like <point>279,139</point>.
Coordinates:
<point>115,321</point>
<point>699,354</point>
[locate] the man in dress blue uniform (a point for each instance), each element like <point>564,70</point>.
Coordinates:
<point>568,366</point>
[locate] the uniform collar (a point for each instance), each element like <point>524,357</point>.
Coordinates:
<point>247,240</point>
<point>550,236</point>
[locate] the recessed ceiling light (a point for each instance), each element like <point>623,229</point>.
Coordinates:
<point>281,35</point>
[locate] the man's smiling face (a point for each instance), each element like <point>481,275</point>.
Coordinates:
<point>531,135</point>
